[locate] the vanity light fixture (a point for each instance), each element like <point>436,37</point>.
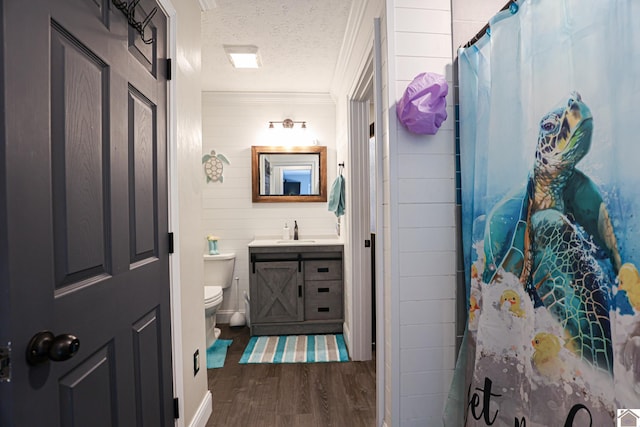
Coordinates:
<point>288,124</point>
<point>243,56</point>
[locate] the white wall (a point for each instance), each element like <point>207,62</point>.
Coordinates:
<point>232,123</point>
<point>189,142</point>
<point>420,190</point>
<point>421,194</point>
<point>419,205</point>
<point>469,16</point>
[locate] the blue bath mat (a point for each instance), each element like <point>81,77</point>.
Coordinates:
<point>295,349</point>
<point>217,353</point>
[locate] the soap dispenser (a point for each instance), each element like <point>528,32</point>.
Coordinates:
<point>285,232</point>
<point>295,230</point>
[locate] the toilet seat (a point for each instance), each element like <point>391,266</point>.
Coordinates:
<point>212,296</point>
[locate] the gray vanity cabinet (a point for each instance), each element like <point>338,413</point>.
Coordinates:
<point>296,289</point>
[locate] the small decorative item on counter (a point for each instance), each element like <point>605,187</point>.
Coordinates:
<point>422,108</point>
<point>213,164</point>
<point>213,244</point>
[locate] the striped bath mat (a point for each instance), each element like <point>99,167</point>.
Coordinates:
<point>295,349</point>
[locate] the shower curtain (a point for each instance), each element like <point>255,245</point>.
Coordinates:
<point>550,162</point>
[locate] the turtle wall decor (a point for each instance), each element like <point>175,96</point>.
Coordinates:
<point>213,166</point>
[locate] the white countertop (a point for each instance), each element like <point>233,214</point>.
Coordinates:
<point>302,242</point>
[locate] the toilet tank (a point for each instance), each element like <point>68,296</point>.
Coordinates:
<point>218,269</point>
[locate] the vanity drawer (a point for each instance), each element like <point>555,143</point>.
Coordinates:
<point>323,300</point>
<point>323,270</point>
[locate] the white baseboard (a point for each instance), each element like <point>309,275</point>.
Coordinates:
<point>204,411</point>
<point>346,333</point>
<point>223,316</point>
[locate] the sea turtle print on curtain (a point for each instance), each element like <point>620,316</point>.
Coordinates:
<point>550,235</point>
<point>550,204</point>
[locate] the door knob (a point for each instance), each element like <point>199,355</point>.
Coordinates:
<point>45,346</point>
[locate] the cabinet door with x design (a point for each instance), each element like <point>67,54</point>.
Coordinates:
<point>279,290</point>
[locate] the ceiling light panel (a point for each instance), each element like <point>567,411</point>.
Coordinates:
<point>243,56</point>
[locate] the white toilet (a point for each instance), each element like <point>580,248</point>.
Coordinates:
<point>218,275</point>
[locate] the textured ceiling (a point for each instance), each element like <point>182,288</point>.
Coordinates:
<point>298,42</point>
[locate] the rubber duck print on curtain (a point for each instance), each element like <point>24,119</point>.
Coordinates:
<point>551,239</point>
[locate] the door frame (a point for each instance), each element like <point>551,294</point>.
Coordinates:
<point>380,235</point>
<point>174,209</point>
<point>367,88</point>
<point>359,229</point>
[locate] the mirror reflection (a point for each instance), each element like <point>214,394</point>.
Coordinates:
<point>289,174</point>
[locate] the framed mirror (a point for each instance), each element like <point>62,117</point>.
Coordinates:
<point>289,174</point>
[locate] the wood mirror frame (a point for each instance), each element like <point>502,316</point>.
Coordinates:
<point>256,151</point>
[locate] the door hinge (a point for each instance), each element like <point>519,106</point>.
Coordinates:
<point>171,243</point>
<point>5,363</point>
<point>176,408</point>
<point>367,243</point>
<point>168,68</point>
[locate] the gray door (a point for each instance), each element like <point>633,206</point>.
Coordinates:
<point>83,215</point>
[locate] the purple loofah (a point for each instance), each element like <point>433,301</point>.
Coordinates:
<point>422,108</point>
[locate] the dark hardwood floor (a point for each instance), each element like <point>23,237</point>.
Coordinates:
<point>288,394</point>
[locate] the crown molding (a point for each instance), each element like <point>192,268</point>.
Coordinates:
<point>357,43</point>
<point>206,5</point>
<point>354,24</point>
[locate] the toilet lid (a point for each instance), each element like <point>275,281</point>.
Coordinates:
<point>212,294</point>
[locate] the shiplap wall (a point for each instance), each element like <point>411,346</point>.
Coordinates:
<point>420,193</point>
<point>231,124</point>
<point>422,218</point>
<point>469,16</point>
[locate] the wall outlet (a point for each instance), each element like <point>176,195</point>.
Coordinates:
<point>196,362</point>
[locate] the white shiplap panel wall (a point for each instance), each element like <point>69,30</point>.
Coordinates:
<point>469,16</point>
<point>232,123</point>
<point>424,226</point>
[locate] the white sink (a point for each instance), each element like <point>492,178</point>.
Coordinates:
<point>261,243</point>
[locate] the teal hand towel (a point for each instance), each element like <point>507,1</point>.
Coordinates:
<point>336,198</point>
